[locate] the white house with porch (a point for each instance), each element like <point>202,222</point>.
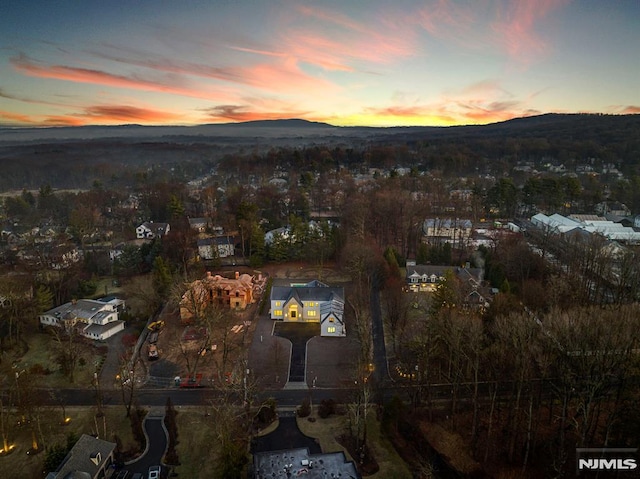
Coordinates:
<point>312,302</point>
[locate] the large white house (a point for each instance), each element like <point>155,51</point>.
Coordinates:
<point>312,302</point>
<point>94,319</point>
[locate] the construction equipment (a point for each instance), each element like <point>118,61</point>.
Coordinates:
<point>156,325</point>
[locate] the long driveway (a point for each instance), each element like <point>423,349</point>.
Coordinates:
<point>299,334</point>
<point>156,444</point>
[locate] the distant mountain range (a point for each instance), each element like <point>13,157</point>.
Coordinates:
<point>303,129</point>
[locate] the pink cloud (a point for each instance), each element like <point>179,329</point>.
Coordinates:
<point>97,77</point>
<point>333,41</point>
<point>448,20</point>
<point>515,26</point>
<point>282,74</point>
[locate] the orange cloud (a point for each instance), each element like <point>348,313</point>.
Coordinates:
<point>631,109</point>
<point>241,113</point>
<point>15,117</point>
<point>456,109</point>
<point>96,77</point>
<point>123,113</point>
<point>62,120</point>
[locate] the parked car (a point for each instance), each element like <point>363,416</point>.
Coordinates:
<point>154,472</point>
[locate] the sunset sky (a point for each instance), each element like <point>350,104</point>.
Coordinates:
<point>348,62</point>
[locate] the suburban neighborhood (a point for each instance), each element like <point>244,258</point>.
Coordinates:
<point>321,311</point>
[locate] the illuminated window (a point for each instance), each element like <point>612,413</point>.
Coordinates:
<point>331,329</point>
<point>277,303</point>
<point>312,313</point>
<point>277,312</point>
<point>331,320</point>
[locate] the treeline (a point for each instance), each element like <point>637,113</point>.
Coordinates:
<point>526,389</point>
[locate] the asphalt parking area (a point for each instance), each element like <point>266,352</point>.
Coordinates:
<point>286,436</point>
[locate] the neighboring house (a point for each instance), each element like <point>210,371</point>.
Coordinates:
<point>89,458</point>
<point>236,293</point>
<point>151,230</point>
<point>310,302</point>
<point>301,463</point>
<point>271,236</point>
<point>199,224</point>
<point>5,302</point>
<point>425,278</point>
<point>612,207</point>
<point>216,247</point>
<point>446,230</point>
<point>94,319</point>
<point>116,251</point>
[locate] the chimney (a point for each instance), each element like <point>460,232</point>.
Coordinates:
<point>237,275</point>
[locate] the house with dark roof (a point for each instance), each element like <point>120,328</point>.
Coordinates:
<point>311,302</point>
<point>216,247</point>
<point>425,278</point>
<point>89,458</point>
<point>151,230</point>
<point>446,230</point>
<point>199,224</point>
<point>301,463</point>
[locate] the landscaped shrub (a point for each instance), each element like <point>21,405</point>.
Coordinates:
<point>305,409</point>
<point>327,408</point>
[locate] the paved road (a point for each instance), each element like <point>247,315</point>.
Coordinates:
<point>381,369</point>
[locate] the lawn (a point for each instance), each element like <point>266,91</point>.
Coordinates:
<point>82,421</point>
<point>39,363</point>
<point>196,443</point>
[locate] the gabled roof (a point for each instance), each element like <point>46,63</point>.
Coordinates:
<point>87,456</point>
<point>420,270</point>
<point>312,291</point>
